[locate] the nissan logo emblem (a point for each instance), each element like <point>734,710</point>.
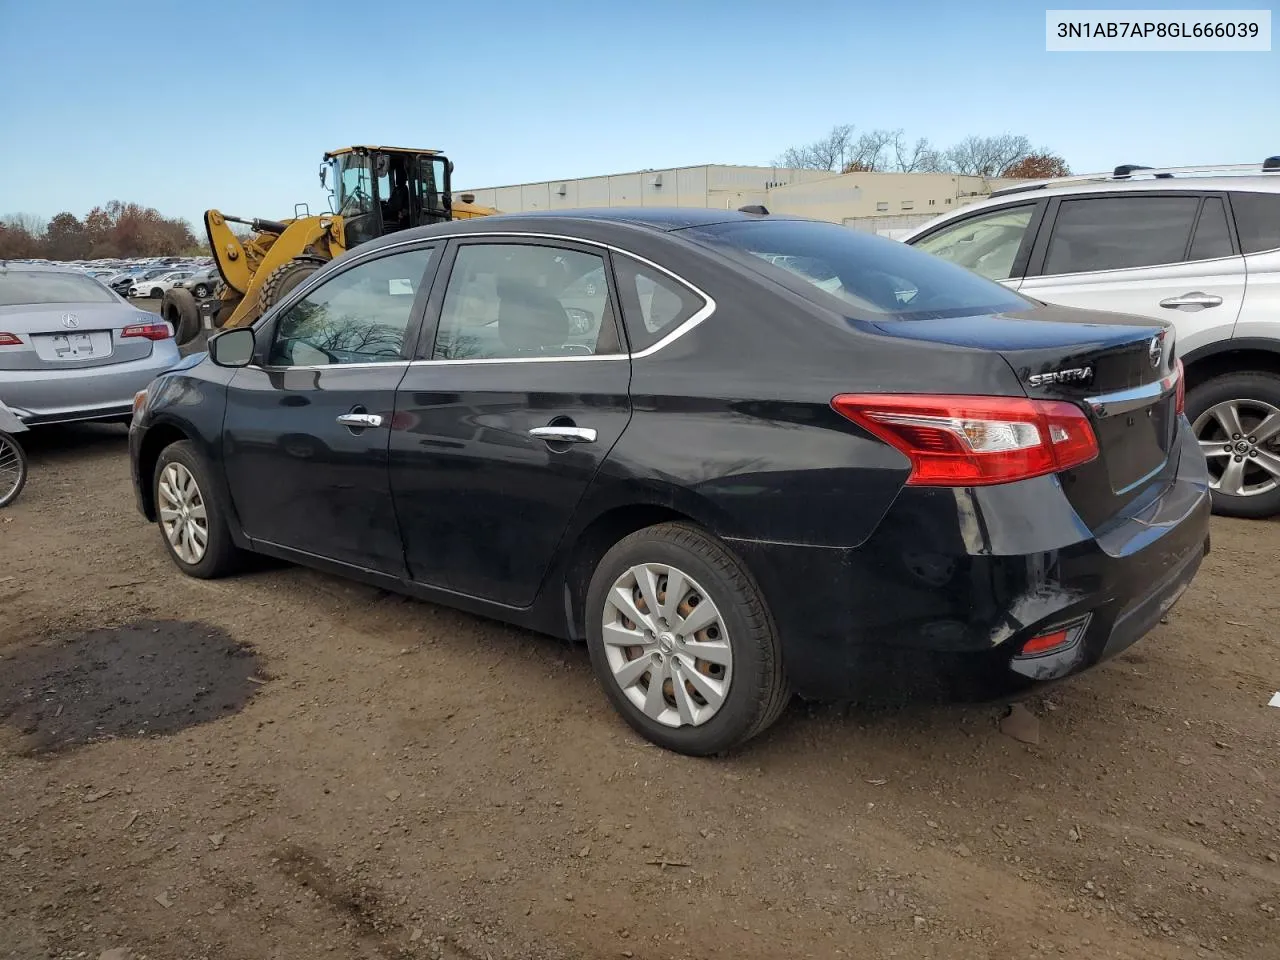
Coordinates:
<point>1154,350</point>
<point>70,321</point>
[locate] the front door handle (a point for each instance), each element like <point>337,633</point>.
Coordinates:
<point>1195,299</point>
<point>556,434</point>
<point>359,421</point>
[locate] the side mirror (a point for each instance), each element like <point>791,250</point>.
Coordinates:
<point>324,174</point>
<point>232,348</point>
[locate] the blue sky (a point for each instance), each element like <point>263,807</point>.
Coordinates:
<point>182,106</point>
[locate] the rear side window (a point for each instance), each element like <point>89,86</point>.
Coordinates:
<point>1257,220</point>
<point>865,276</point>
<point>653,303</point>
<point>1115,233</point>
<point>1213,237</point>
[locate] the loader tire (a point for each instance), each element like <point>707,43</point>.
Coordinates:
<point>284,278</point>
<point>179,309</point>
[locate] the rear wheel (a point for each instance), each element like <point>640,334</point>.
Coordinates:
<point>682,642</point>
<point>1236,418</point>
<point>180,310</point>
<point>191,522</point>
<point>156,293</point>
<point>13,469</point>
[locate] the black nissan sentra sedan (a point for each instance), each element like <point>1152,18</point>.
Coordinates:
<point>737,455</point>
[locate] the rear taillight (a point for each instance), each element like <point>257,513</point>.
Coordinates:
<point>955,441</point>
<point>9,340</point>
<point>1181,401</point>
<point>152,331</point>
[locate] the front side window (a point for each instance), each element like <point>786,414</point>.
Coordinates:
<point>986,244</point>
<point>1213,236</point>
<point>511,301</point>
<point>359,316</point>
<point>868,276</point>
<point>1116,233</point>
<point>22,287</point>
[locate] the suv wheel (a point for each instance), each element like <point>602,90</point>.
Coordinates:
<point>1236,418</point>
<point>681,641</point>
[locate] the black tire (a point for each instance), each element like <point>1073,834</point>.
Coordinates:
<point>758,690</point>
<point>284,278</point>
<point>156,293</point>
<point>221,556</point>
<point>13,469</point>
<point>1254,391</point>
<point>201,290</point>
<point>180,310</point>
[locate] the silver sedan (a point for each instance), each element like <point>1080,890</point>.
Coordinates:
<point>71,349</point>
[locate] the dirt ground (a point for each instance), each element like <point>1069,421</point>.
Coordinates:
<point>287,765</point>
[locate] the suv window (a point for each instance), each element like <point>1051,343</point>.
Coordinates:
<point>1213,236</point>
<point>512,300</point>
<point>653,304</point>
<point>1257,220</point>
<point>1113,233</point>
<point>986,244</point>
<point>358,316</point>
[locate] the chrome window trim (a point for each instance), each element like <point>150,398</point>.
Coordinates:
<point>707,309</point>
<point>274,368</point>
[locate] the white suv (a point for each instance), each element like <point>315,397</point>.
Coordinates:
<point>1196,246</point>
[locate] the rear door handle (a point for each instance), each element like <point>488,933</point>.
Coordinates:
<point>564,434</point>
<point>360,420</point>
<point>1195,299</point>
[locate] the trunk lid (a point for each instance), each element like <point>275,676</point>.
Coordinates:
<point>61,335</point>
<point>1120,370</point>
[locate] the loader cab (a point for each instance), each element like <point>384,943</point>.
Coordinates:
<point>381,190</point>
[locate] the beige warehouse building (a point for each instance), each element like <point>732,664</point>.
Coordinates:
<point>879,201</point>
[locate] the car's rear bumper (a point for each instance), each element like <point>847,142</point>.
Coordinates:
<point>939,601</point>
<point>92,393</point>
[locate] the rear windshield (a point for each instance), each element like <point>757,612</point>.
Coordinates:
<point>873,278</point>
<point>21,287</point>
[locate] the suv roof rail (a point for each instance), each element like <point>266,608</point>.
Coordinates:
<point>1132,171</point>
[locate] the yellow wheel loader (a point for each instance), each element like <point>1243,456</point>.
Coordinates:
<point>375,190</point>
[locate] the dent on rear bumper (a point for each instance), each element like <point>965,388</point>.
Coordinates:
<point>942,596</point>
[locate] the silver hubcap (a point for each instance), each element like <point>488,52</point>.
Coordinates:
<point>667,645</point>
<point>182,513</point>
<point>10,469</point>
<point>1241,440</point>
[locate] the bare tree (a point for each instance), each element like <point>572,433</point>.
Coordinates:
<point>918,157</point>
<point>28,222</point>
<point>869,152</point>
<point>988,156</point>
<point>829,153</point>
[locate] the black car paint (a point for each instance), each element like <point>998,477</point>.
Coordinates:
<point>863,574</point>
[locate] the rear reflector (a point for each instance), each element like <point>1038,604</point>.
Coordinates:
<point>9,340</point>
<point>1045,643</point>
<point>152,331</point>
<point>1182,388</point>
<point>961,441</point>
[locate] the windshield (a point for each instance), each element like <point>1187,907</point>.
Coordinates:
<point>878,278</point>
<point>353,184</point>
<point>22,287</point>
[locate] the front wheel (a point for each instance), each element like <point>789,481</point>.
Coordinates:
<point>13,469</point>
<point>682,642</point>
<point>201,290</point>
<point>190,519</point>
<point>1236,418</point>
